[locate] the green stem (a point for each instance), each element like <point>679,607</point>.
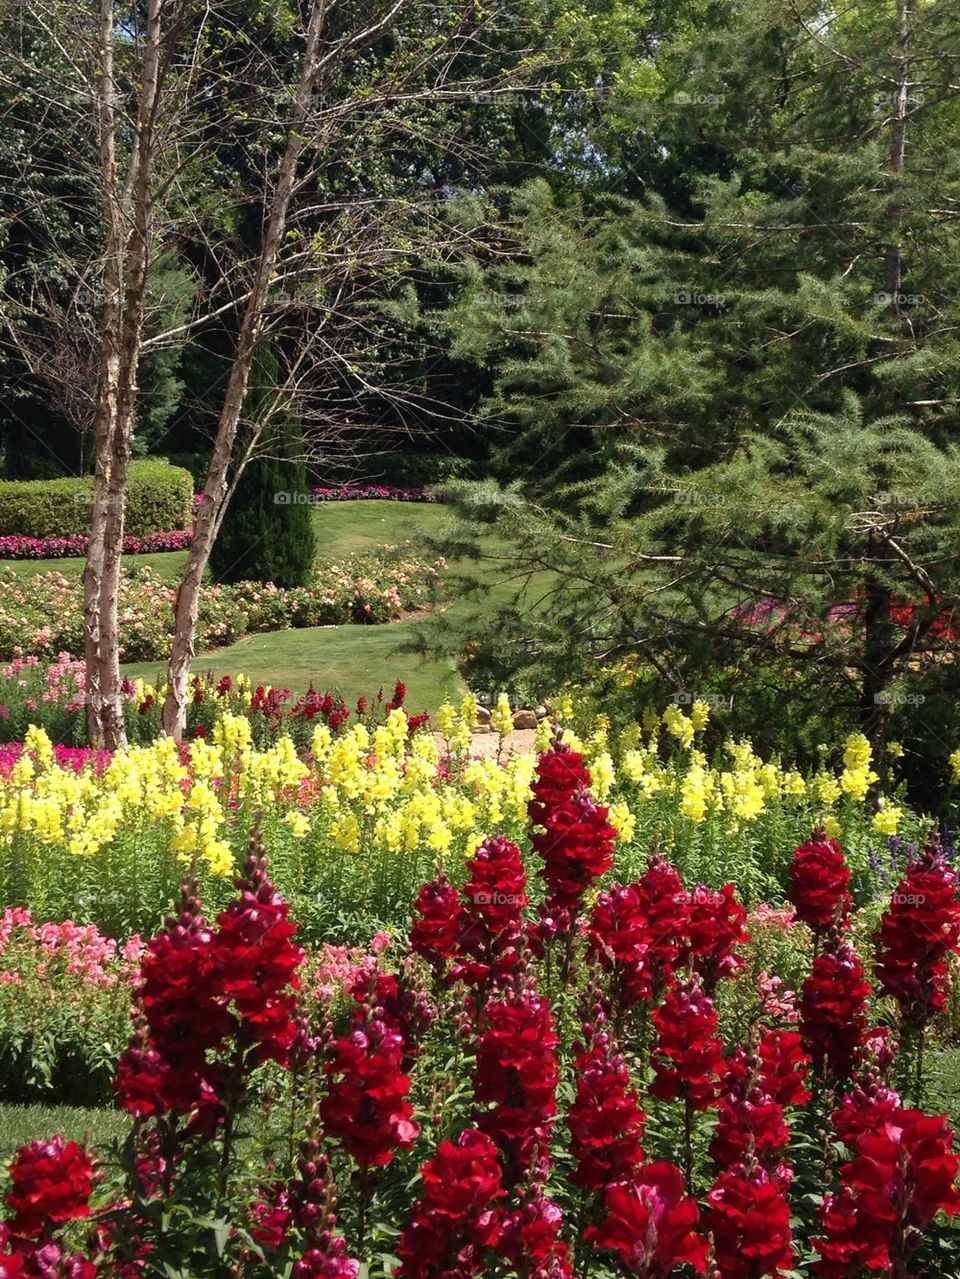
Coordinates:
<point>919,1084</point>
<point>688,1145</point>
<point>362,1213</point>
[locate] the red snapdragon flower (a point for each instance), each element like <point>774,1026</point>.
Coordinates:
<point>618,936</point>
<point>51,1182</point>
<point>605,1119</point>
<point>398,698</point>
<point>494,898</point>
<point>571,834</point>
<point>458,1215</point>
<point>560,773</point>
<point>516,1075</point>
<point>11,1264</point>
<point>199,987</point>
<point>650,1223</point>
<point>749,1218</point>
<point>327,1261</point>
<point>749,1123</point>
<point>918,930</point>
<point>688,1052</point>
<point>781,1067</point>
<point>833,1008</point>
<point>396,1001</point>
<point>637,933</point>
<point>365,1108</point>
<point>577,849</point>
<point>819,882</point>
<point>903,1173</point>
<point>166,1067</point>
<point>665,904</point>
<point>438,922</point>
<point>714,929</point>
<point>255,963</point>
<point>309,1203</point>
<point>863,1110</point>
<point>531,1238</point>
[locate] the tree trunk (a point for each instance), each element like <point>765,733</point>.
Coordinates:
<point>136,262</point>
<point>877,647</point>
<point>215,490</point>
<point>126,262</point>
<point>106,404</point>
<point>898,149</point>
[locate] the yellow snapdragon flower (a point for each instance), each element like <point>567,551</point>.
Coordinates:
<point>501,717</point>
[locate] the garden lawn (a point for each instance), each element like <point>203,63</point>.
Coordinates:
<point>340,527</point>
<point>20,1124</point>
<point>354,659</point>
<point>166,563</point>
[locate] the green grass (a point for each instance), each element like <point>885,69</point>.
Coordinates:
<point>354,659</point>
<point>358,660</point>
<point>20,1124</point>
<point>340,528</point>
<point>166,563</point>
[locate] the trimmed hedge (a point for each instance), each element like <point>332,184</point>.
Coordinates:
<point>159,500</point>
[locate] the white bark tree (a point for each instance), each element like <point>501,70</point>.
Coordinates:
<point>174,91</point>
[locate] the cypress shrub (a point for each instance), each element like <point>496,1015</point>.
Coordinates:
<point>267,532</point>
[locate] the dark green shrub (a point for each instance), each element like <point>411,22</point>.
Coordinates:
<point>196,463</point>
<point>159,499</point>
<point>267,532</point>
<point>399,470</point>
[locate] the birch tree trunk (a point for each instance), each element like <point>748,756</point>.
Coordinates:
<point>128,214</point>
<point>138,205</point>
<point>109,371</point>
<point>215,491</point>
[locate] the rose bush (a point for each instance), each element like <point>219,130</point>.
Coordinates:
<point>42,617</point>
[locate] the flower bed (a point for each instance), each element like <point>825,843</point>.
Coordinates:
<point>13,547</point>
<point>64,1008</point>
<point>52,697</point>
<point>44,617</point>
<point>16,547</point>
<point>363,815</point>
<point>541,1079</point>
<point>369,492</point>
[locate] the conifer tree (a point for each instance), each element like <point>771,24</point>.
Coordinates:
<point>731,401</point>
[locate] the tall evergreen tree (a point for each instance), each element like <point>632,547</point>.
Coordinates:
<point>732,401</point>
